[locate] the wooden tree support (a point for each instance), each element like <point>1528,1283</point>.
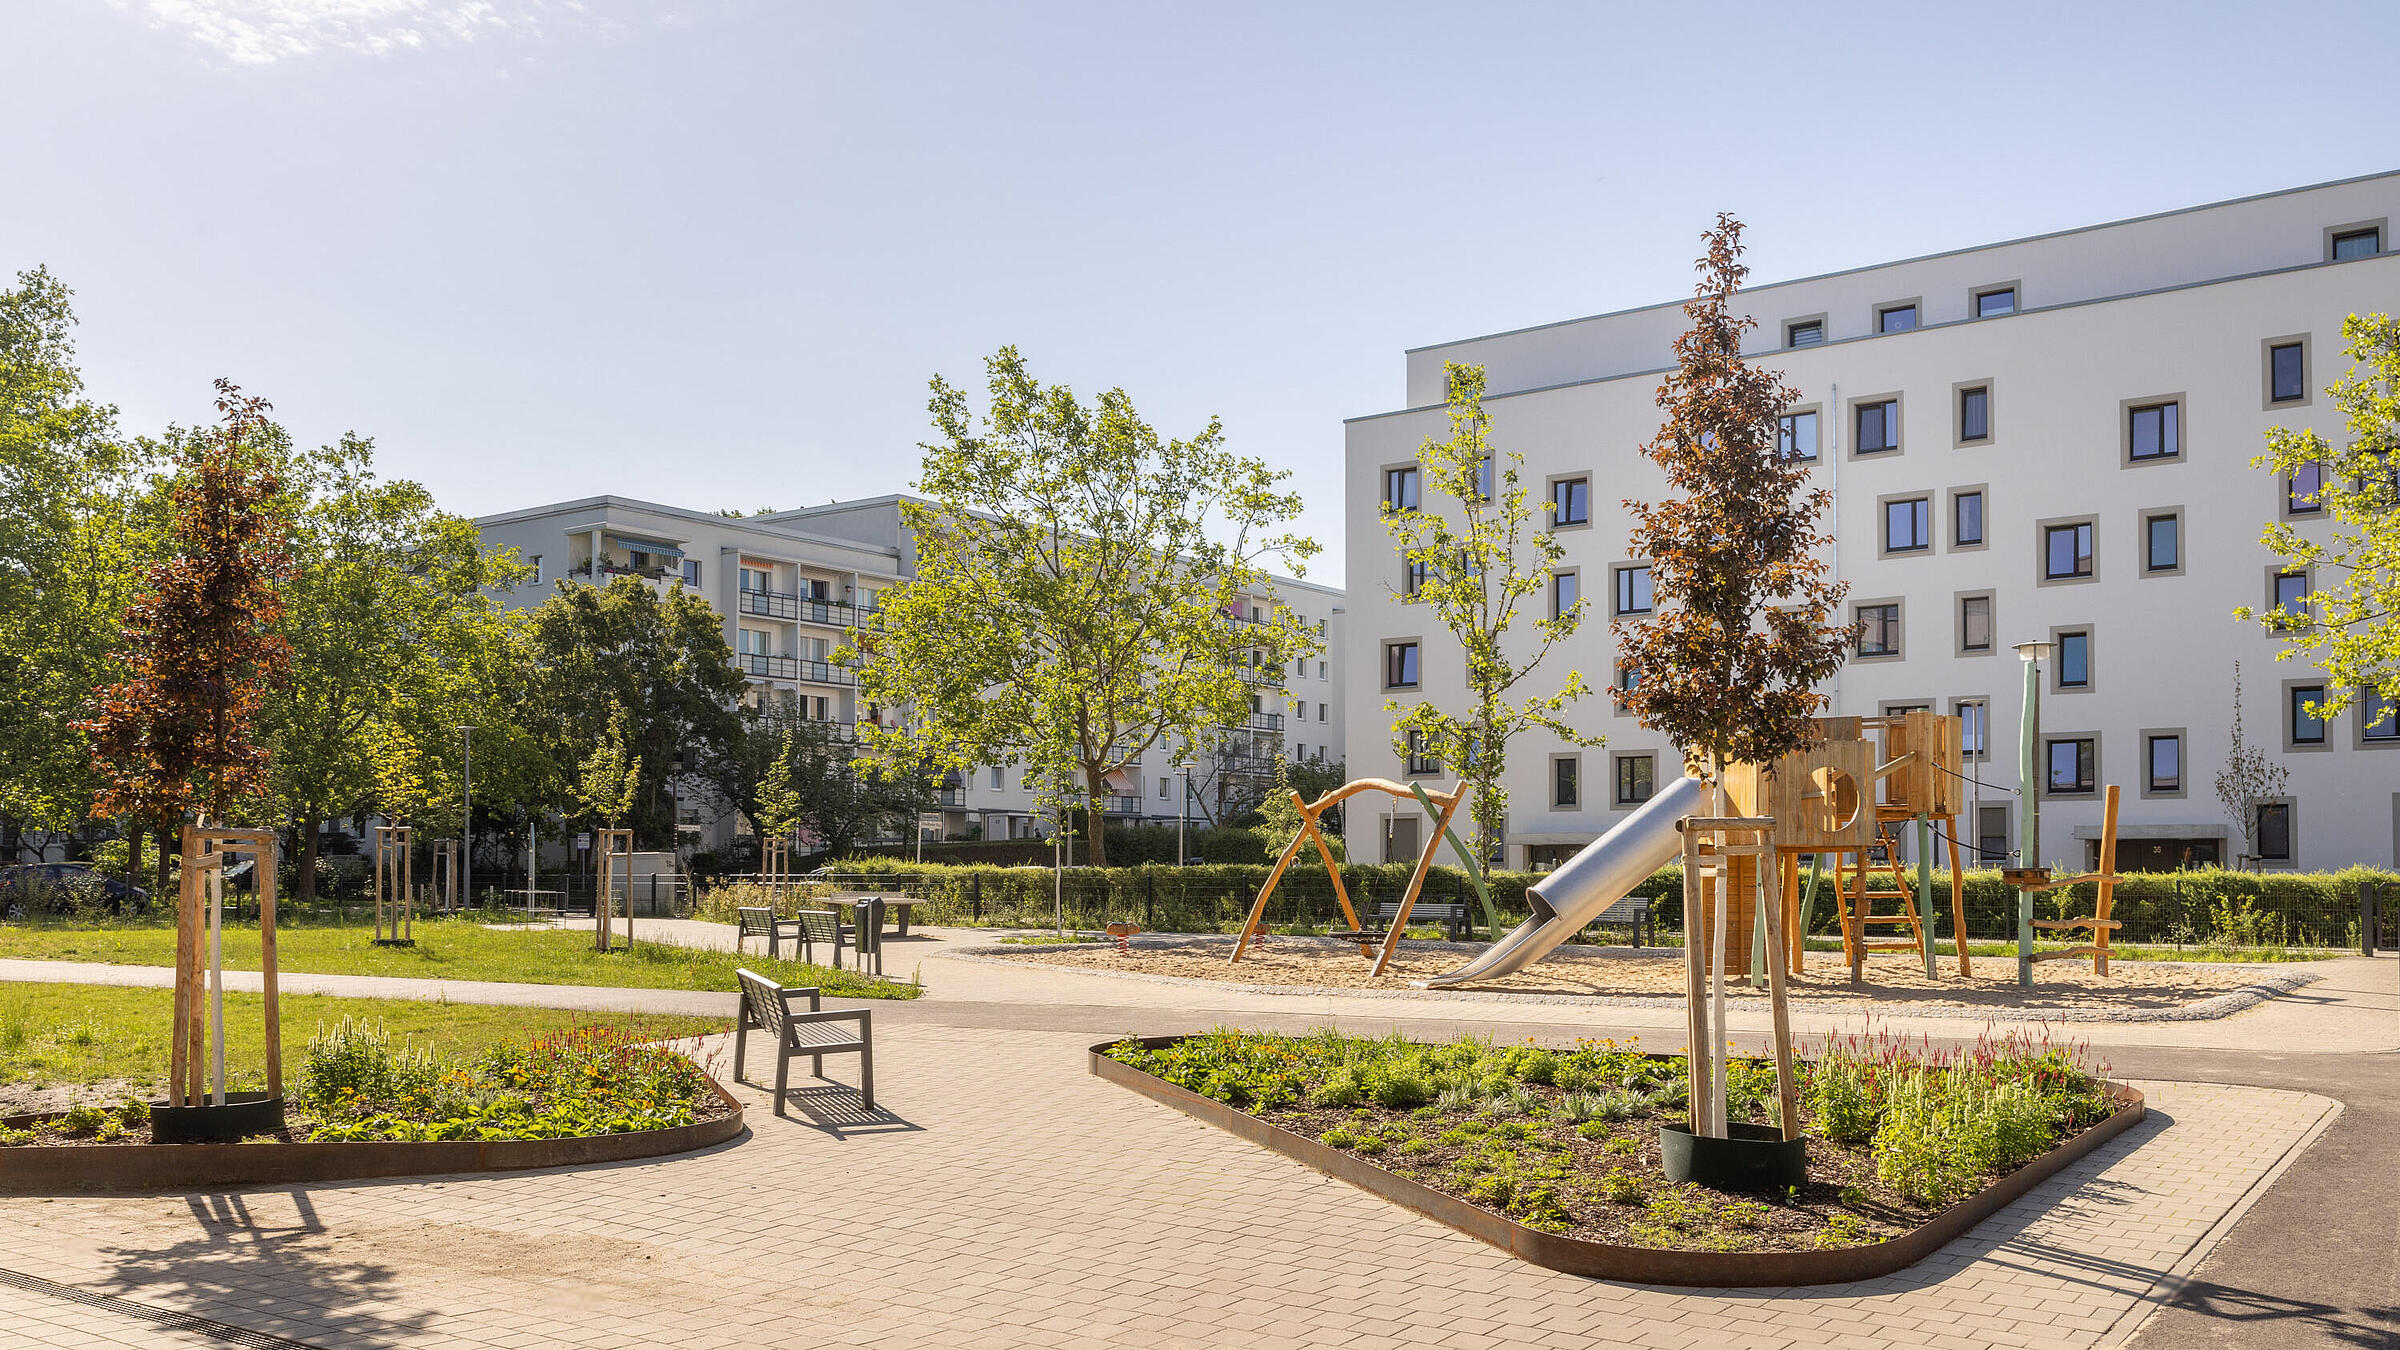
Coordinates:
<point>196,1055</point>
<point>610,847</point>
<point>774,868</point>
<point>1714,852</point>
<point>1311,813</point>
<point>395,886</point>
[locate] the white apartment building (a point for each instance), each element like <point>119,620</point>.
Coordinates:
<point>2047,439</point>
<point>790,585</point>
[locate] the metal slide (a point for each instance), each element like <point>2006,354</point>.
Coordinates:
<point>1605,872</point>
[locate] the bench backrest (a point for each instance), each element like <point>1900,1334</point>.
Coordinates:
<point>757,922</point>
<point>821,925</point>
<point>1628,910</point>
<point>762,998</point>
<point>1385,909</point>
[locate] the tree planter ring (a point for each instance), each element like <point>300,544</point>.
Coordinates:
<point>243,1115</point>
<point>1607,1261</point>
<point>175,1168</point>
<point>1755,1159</point>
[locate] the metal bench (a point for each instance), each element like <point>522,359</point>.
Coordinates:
<point>1451,914</point>
<point>760,922</point>
<point>1632,912</point>
<point>767,1006</point>
<point>820,925</point>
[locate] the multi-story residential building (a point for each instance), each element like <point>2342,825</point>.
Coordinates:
<point>790,584</point>
<point>2048,440</point>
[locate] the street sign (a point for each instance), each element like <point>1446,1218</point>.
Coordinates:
<point>583,840</point>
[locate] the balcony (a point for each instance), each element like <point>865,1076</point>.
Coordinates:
<point>951,796</point>
<point>822,672</point>
<point>832,729</point>
<point>1266,721</point>
<point>770,604</point>
<point>1121,805</point>
<point>806,609</point>
<point>768,667</point>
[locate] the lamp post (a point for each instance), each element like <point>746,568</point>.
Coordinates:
<point>2029,783</point>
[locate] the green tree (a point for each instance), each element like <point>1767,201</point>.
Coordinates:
<point>2351,624</point>
<point>609,778</point>
<point>780,806</point>
<point>1467,562</point>
<point>1076,581</point>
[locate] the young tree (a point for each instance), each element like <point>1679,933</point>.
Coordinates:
<point>779,805</point>
<point>610,776</point>
<point>1465,561</point>
<point>2351,624</point>
<point>2249,778</point>
<point>1076,577</point>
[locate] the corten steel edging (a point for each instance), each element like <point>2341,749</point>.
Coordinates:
<point>70,1168</point>
<point>1632,1265</point>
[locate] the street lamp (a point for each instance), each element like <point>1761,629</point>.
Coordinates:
<point>2029,742</point>
<point>466,820</point>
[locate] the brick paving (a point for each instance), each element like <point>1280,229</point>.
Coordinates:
<point>1006,1198</point>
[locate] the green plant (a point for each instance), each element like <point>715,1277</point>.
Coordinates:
<point>1402,1088</point>
<point>134,1111</point>
<point>1853,1197</point>
<point>1624,1143</point>
<point>111,1130</point>
<point>1841,1095</point>
<point>1745,1214</point>
<point>82,1120</point>
<point>1844,1230</point>
<point>10,1138</point>
<point>1621,1187</point>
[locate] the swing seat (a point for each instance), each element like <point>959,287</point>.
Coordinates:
<point>1371,936</point>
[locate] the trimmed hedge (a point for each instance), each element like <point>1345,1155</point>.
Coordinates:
<point>2307,909</point>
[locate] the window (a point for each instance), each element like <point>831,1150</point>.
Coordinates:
<point>2364,243</point>
<point>2274,830</point>
<point>754,579</point>
<point>1627,675</point>
<point>2155,430</point>
<point>1974,727</point>
<point>1321,670</point>
<point>1878,426</point>
<point>1992,304</point>
<point>2074,661</point>
<point>2287,377</point>
<point>1483,478</point>
<point>1907,525</point>
<point>2378,716</point>
<point>1966,519</point>
<point>1566,786</point>
<point>1420,763</point>
<point>2070,765</point>
<point>2067,551</point>
<point>1975,623</point>
<point>2162,543</point>
<point>1413,573</point>
<point>1992,835</point>
<point>1633,590</point>
<point>2164,769</point>
<point>691,572</point>
<point>535,562</point>
<point>1895,318</point>
<point>1571,501</point>
<point>1637,779</point>
<point>2307,727</point>
<point>1796,436</point>
<point>1399,665</point>
<point>1566,590</point>
<point>1975,413</point>
<point>2291,593</point>
<point>1879,630</point>
<point>1806,333</point>
<point>1400,489</point>
<point>2304,491</point>
<point>1163,785</point>
<point>1320,712</point>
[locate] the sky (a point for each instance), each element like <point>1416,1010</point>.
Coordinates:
<point>710,252</point>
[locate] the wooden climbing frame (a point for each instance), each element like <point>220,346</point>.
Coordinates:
<point>1311,831</point>
<point>2100,925</point>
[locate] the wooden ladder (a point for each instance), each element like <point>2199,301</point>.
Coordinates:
<point>1856,890</point>
<point>2105,879</point>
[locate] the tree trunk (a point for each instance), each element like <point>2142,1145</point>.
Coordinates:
<point>166,846</point>
<point>304,852</point>
<point>1096,847</point>
<point>133,856</point>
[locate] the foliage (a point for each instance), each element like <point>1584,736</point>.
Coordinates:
<point>1744,626</point>
<point>609,776</point>
<point>779,807</point>
<point>2250,775</point>
<point>803,775</point>
<point>1475,581</point>
<point>588,1080</point>
<point>1076,574</point>
<point>2351,624</point>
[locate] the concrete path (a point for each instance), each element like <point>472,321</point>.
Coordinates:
<point>589,998</point>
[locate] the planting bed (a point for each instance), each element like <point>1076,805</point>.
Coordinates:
<point>1553,1154</point>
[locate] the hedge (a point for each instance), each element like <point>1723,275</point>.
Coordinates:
<point>2313,909</point>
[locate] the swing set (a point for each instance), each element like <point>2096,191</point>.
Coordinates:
<point>1377,945</point>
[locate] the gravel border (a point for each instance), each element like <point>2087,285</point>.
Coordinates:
<point>2206,1010</point>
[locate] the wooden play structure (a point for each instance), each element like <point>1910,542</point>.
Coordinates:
<point>609,848</point>
<point>395,886</point>
<point>1376,945</point>
<point>196,1056</point>
<point>2032,881</point>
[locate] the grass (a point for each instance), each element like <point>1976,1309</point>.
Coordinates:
<point>70,1034</point>
<point>449,949</point>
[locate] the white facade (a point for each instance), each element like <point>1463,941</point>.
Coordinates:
<point>790,585</point>
<point>2080,344</point>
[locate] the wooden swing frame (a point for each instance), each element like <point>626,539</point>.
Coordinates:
<point>1311,830</point>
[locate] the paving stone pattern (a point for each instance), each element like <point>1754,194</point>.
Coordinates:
<point>1006,1198</point>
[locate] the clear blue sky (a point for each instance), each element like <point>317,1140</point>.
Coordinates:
<point>541,249</point>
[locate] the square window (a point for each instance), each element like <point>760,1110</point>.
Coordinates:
<point>2074,660</point>
<point>1400,489</point>
<point>1566,786</point>
<point>1974,727</point>
<point>1566,591</point>
<point>2067,551</point>
<point>2162,543</point>
<point>1878,426</point>
<point>1420,763</point>
<point>1975,623</point>
<point>2291,593</point>
<point>1571,501</point>
<point>1975,414</point>
<point>1633,590</point>
<point>1806,333</point>
<point>1879,630</point>
<point>2274,831</point>
<point>2351,244</point>
<point>2303,493</point>
<point>2307,727</point>
<point>1966,519</point>
<point>1637,779</point>
<point>1400,665</point>
<point>1413,575</point>
<point>1907,525</point>
<point>2378,716</point>
<point>1992,304</point>
<point>1895,318</point>
<point>2286,380</point>
<point>691,571</point>
<point>2156,429</point>
<point>1627,676</point>
<point>2165,767</point>
<point>1796,436</point>
<point>2070,765</point>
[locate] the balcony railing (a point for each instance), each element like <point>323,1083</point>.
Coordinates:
<point>771,604</point>
<point>825,672</point>
<point>832,729</point>
<point>771,667</point>
<point>807,609</point>
<point>1125,805</point>
<point>953,796</point>
<point>1266,721</point>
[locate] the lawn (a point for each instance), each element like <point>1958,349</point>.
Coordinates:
<point>448,949</point>
<point>68,1034</point>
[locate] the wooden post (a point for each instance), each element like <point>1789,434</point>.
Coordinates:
<point>184,1054</point>
<point>1697,1035</point>
<point>269,863</point>
<point>1925,891</point>
<point>1416,882</point>
<point>612,845</point>
<point>1808,912</point>
<point>1787,1084</point>
<point>1958,898</point>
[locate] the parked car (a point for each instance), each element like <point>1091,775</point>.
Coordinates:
<point>27,887</point>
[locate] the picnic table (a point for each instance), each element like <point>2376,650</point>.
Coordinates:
<point>897,905</point>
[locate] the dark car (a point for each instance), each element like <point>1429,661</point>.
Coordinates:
<point>27,887</point>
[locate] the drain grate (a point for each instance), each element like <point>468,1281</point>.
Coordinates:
<point>161,1317</point>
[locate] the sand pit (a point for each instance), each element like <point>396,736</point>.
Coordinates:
<point>2066,990</point>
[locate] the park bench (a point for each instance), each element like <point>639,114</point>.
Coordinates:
<point>1451,914</point>
<point>1633,913</point>
<point>767,1006</point>
<point>760,922</point>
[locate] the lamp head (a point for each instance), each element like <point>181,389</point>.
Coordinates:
<point>2035,651</point>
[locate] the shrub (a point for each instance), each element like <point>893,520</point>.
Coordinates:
<point>1841,1094</point>
<point>1343,1087</point>
<point>1530,1064</point>
<point>1844,1230</point>
<point>83,1120</point>
<point>1402,1088</point>
<point>134,1112</point>
<point>1621,1187</point>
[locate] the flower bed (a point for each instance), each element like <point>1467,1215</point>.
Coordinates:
<point>1554,1153</point>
